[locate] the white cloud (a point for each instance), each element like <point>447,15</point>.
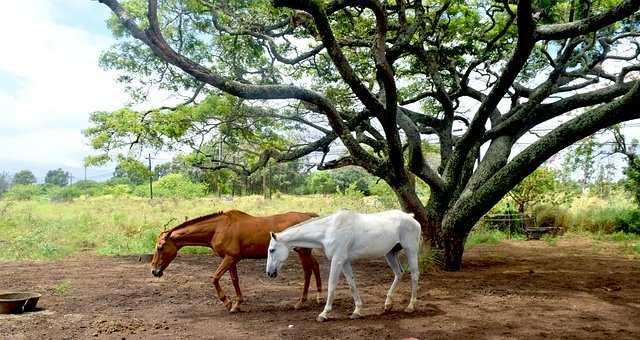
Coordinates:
<point>58,83</point>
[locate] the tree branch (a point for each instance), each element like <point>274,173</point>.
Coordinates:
<point>591,24</point>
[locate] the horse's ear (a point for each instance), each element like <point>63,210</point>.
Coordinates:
<point>273,236</point>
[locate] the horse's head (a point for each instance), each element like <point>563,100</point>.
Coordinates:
<point>276,256</point>
<point>166,251</point>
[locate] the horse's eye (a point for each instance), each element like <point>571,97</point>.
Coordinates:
<point>272,250</point>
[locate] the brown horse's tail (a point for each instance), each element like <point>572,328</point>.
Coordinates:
<point>312,214</point>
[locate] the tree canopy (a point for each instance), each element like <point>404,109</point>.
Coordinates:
<point>57,177</point>
<point>381,79</point>
<point>23,177</point>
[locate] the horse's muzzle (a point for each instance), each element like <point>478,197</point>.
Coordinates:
<point>273,274</point>
<point>157,272</point>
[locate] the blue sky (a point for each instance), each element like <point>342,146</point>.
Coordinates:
<point>50,82</point>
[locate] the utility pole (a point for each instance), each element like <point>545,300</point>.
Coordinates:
<point>85,173</point>
<point>270,181</point>
<point>150,178</point>
<point>70,179</point>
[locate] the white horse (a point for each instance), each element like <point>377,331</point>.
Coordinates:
<point>346,236</point>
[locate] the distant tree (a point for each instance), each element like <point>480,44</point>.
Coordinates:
<point>4,182</point>
<point>133,170</point>
<point>629,149</point>
<point>57,177</point>
<point>580,160</point>
<point>321,182</point>
<point>532,188</point>
<point>23,177</point>
<point>344,177</point>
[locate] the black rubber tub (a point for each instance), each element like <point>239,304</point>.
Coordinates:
<point>18,302</point>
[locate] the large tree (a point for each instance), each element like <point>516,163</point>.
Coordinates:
<point>474,77</point>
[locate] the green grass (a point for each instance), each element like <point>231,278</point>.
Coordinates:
<point>61,288</point>
<point>39,229</point>
<point>551,240</point>
<point>616,237</point>
<point>487,236</point>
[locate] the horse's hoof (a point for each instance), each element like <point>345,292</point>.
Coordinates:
<point>355,316</point>
<point>235,309</point>
<point>227,304</point>
<point>320,300</point>
<point>298,305</point>
<point>408,310</point>
<point>387,308</point>
<point>321,318</point>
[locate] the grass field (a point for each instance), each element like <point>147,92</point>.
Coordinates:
<point>40,229</point>
<point>117,226</point>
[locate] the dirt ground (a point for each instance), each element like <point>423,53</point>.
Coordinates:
<point>516,289</point>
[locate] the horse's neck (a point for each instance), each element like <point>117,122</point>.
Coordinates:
<point>199,234</point>
<point>310,235</point>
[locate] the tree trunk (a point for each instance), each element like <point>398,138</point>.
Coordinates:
<point>452,246</point>
<point>441,234</point>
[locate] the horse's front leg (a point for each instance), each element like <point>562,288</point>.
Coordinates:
<point>348,274</point>
<point>222,268</point>
<point>334,275</point>
<point>305,262</point>
<point>233,272</point>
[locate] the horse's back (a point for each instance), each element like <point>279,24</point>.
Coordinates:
<point>373,234</point>
<point>247,236</point>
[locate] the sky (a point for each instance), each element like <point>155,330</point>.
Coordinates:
<point>50,82</point>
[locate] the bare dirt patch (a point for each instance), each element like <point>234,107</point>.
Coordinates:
<point>516,289</point>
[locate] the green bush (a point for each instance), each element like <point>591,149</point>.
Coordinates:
<point>117,190</point>
<point>352,192</point>
<point>549,215</point>
<point>64,194</point>
<point>89,188</point>
<point>384,193</point>
<point>628,222</point>
<point>320,182</point>
<point>601,220</point>
<point>23,192</point>
<point>178,186</point>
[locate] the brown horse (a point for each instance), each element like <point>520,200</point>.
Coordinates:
<point>234,235</point>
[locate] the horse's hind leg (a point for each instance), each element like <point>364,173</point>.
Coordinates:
<point>316,272</point>
<point>233,272</point>
<point>412,258</point>
<point>348,274</point>
<point>305,261</point>
<point>392,260</point>
<point>222,268</point>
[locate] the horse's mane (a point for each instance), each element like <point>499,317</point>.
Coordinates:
<point>196,220</point>
<point>303,223</point>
